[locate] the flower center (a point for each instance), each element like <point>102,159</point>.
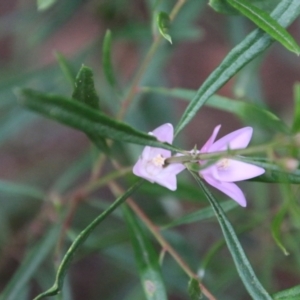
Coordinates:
<point>223,164</point>
<point>158,160</point>
<point>155,165</point>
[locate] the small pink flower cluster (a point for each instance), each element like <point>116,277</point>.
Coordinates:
<point>221,174</point>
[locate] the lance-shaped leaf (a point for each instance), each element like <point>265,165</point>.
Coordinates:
<point>84,234</point>
<point>194,289</point>
<point>296,121</point>
<point>85,93</point>
<point>243,266</point>
<point>247,112</point>
<point>221,6</point>
<point>106,59</point>
<point>146,258</point>
<point>200,215</point>
<point>84,90</point>
<point>163,23</point>
<point>276,224</point>
<point>81,117</point>
<point>289,294</point>
<point>7,187</point>
<point>266,23</point>
<point>66,68</point>
<point>254,44</point>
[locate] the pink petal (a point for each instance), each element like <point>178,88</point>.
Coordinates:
<point>238,139</point>
<point>174,169</point>
<point>212,138</point>
<point>139,170</point>
<point>167,177</point>
<point>169,182</point>
<point>228,188</point>
<point>237,171</point>
<point>164,133</point>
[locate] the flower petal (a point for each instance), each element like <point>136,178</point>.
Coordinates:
<point>140,171</point>
<point>164,133</point>
<point>169,182</point>
<point>237,171</point>
<point>210,141</point>
<point>228,188</point>
<point>238,139</point>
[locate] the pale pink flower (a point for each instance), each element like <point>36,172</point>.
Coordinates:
<point>224,172</point>
<point>150,165</point>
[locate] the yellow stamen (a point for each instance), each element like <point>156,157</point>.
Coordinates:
<point>158,160</point>
<point>223,164</point>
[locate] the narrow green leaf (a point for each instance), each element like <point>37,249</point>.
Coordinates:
<point>254,44</point>
<point>86,93</point>
<point>247,112</point>
<point>266,23</point>
<point>194,289</point>
<point>289,294</point>
<point>84,90</point>
<point>200,215</point>
<point>21,189</point>
<point>45,4</point>
<point>67,259</point>
<point>33,259</point>
<point>275,227</point>
<point>66,68</point>
<point>221,6</point>
<point>163,23</point>
<point>146,258</point>
<point>243,266</point>
<point>81,117</point>
<point>106,59</point>
<point>296,121</point>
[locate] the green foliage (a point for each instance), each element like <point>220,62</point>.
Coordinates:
<point>32,261</point>
<point>247,112</point>
<point>289,294</point>
<point>194,289</point>
<point>52,176</point>
<point>84,90</point>
<point>163,23</point>
<point>221,6</point>
<point>107,60</point>
<point>267,23</point>
<point>254,44</point>
<point>81,117</point>
<point>276,224</point>
<point>296,121</point>
<point>67,259</point>
<point>146,259</point>
<point>243,266</point>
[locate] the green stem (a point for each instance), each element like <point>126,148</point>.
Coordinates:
<point>228,153</point>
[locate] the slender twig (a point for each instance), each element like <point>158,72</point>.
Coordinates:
<point>117,190</point>
<point>138,77</point>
